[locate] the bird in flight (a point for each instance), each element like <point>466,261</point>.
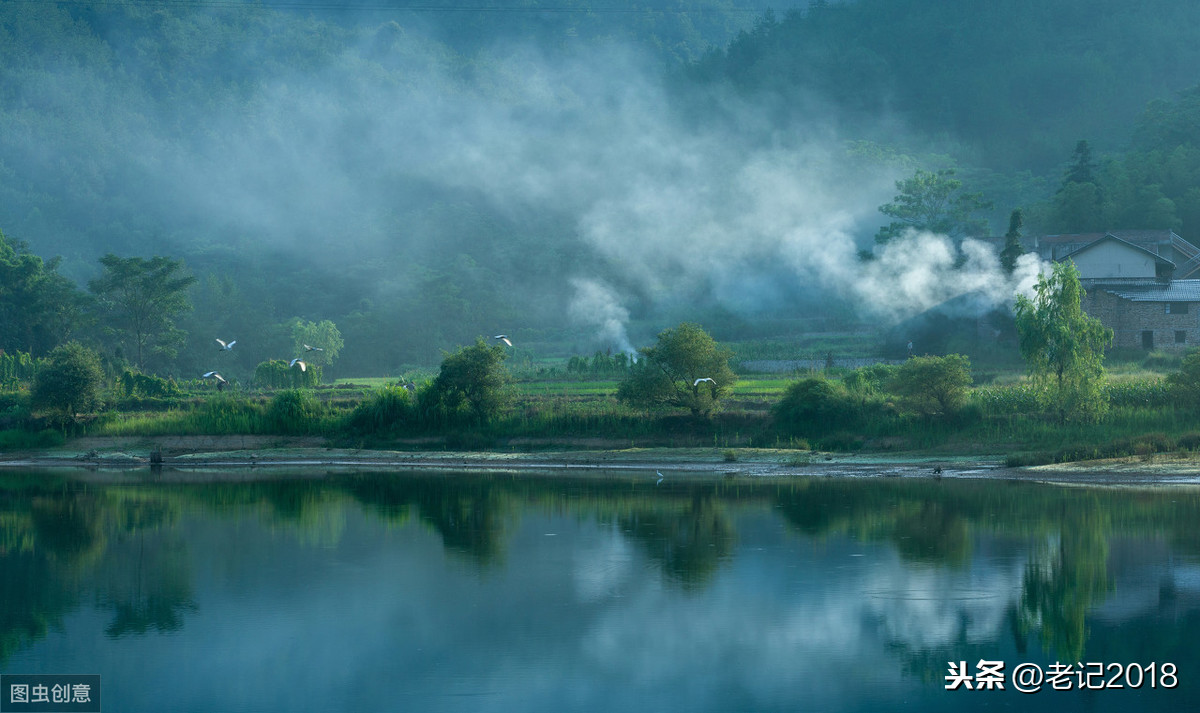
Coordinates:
<point>503,338</point>
<point>226,347</point>
<point>706,378</point>
<point>313,349</point>
<point>214,375</point>
<point>303,366</point>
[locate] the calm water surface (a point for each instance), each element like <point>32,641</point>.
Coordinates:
<point>467,592</point>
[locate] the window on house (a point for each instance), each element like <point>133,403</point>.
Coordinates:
<point>1180,336</point>
<point>1177,308</point>
<point>1148,339</point>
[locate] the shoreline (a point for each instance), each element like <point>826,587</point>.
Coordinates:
<point>259,454</point>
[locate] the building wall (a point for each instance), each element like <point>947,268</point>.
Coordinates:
<point>1108,259</point>
<point>1129,319</point>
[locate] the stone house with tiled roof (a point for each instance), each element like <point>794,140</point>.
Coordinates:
<point>1142,284</point>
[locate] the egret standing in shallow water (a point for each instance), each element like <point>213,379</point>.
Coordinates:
<point>660,477</point>
<point>503,338</point>
<point>226,347</point>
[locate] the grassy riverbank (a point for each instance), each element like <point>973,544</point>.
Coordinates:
<point>999,420</point>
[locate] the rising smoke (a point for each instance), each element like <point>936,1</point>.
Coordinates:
<point>335,161</point>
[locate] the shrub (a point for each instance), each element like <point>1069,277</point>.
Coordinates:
<point>293,411</point>
<point>276,374</point>
<point>933,385</point>
<point>470,381</point>
<point>384,410</point>
<point>69,382</point>
<point>814,404</point>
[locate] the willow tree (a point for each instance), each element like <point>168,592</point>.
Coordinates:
<point>1063,346</point>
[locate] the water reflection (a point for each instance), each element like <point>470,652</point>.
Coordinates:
<point>693,590</point>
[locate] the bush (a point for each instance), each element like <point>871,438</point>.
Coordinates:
<point>276,374</point>
<point>471,382</point>
<point>147,385</point>
<point>815,404</point>
<point>871,379</point>
<point>384,410</point>
<point>293,411</point>
<point>933,385</point>
<point>69,382</point>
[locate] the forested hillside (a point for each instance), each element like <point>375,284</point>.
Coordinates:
<point>563,173</point>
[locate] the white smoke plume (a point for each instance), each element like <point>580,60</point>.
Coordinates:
<point>595,304</point>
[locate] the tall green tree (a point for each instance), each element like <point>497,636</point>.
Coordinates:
<point>140,300</point>
<point>316,342</point>
<point>1063,346</point>
<point>1012,242</point>
<point>686,368</point>
<point>39,308</point>
<point>936,202</point>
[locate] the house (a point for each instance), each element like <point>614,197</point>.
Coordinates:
<point>1142,284</point>
<point>1112,251</point>
<point>1164,316</point>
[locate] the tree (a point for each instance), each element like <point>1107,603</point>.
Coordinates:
<point>932,385</point>
<point>69,382</point>
<point>685,369</point>
<point>1012,242</point>
<point>1185,383</point>
<point>143,298</point>
<point>934,202</point>
<point>323,336</point>
<point>39,308</point>
<point>471,380</point>
<point>1063,346</point>
<point>1081,170</point>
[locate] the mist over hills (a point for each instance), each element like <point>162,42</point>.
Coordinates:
<point>421,178</point>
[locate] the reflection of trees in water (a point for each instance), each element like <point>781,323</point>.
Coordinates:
<point>922,522</point>
<point>36,594</point>
<point>470,514</point>
<point>689,543</point>
<point>126,540</point>
<point>74,538</point>
<point>146,579</point>
<point>48,540</point>
<point>1064,580</point>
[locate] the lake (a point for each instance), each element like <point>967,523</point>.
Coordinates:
<point>265,590</point>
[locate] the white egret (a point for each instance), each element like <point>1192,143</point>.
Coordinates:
<point>214,375</point>
<point>226,347</point>
<point>706,378</point>
<point>503,338</point>
<point>660,476</point>
<point>303,366</point>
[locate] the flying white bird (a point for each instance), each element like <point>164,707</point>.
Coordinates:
<point>503,338</point>
<point>214,375</point>
<point>312,349</point>
<point>697,381</point>
<point>303,366</point>
<point>226,347</point>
